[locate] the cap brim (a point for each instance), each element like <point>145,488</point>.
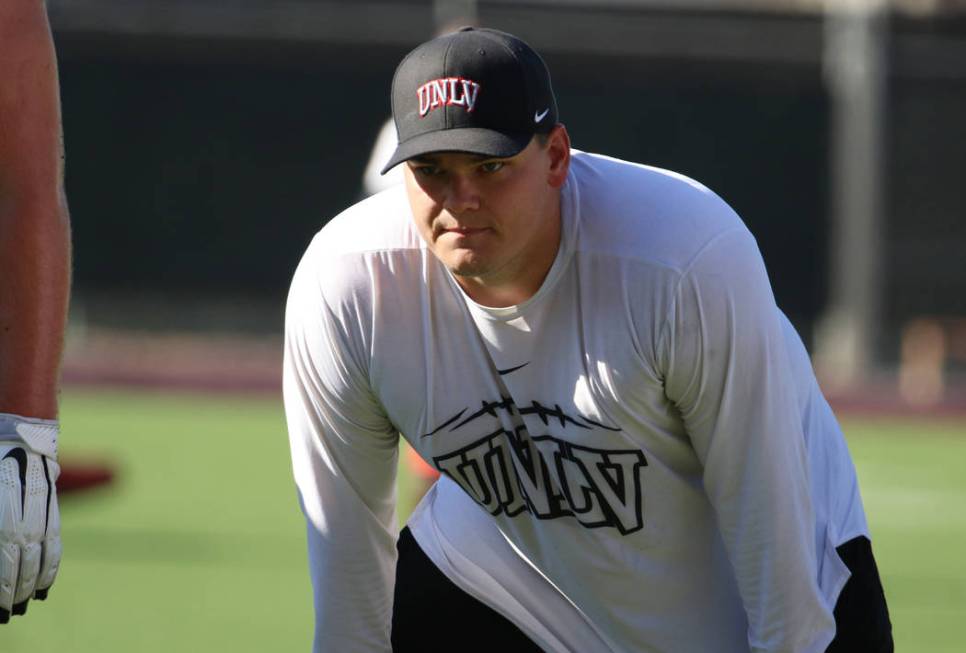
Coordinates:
<point>470,140</point>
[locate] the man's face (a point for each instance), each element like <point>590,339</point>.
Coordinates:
<point>495,223</point>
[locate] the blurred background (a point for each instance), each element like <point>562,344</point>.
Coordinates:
<point>208,140</point>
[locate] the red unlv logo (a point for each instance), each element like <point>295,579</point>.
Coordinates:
<point>447,91</point>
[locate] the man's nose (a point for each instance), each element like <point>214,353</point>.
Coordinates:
<point>461,195</point>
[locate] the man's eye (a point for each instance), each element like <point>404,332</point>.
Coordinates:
<point>428,171</point>
<point>492,166</point>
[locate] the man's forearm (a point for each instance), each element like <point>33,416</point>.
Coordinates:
<point>35,274</point>
<point>34,226</point>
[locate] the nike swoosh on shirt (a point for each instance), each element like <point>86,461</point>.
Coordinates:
<point>20,456</point>
<point>537,117</point>
<point>511,369</point>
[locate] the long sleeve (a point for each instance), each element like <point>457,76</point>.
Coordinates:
<point>344,453</point>
<point>727,372</point>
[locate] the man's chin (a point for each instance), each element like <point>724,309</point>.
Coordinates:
<point>469,267</point>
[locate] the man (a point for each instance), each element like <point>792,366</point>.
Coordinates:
<point>34,282</point>
<point>590,352</point>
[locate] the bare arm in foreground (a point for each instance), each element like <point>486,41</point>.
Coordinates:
<point>34,224</point>
<point>34,288</point>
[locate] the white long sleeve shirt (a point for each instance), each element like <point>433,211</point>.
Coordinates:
<point>634,430</point>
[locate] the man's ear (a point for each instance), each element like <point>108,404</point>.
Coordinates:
<point>558,146</point>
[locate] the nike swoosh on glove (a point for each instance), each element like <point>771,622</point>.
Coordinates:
<point>30,546</point>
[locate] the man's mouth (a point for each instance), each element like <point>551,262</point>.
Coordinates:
<point>465,231</point>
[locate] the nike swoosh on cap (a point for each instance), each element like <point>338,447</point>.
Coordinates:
<point>537,117</point>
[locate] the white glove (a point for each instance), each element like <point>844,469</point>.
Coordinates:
<point>29,518</point>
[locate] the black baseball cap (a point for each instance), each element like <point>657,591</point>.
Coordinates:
<point>479,91</point>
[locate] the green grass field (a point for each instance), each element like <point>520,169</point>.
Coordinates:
<point>199,545</point>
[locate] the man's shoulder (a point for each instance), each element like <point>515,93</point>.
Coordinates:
<point>378,231</point>
<point>636,211</point>
<point>378,223</point>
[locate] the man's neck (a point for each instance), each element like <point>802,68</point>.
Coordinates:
<point>520,279</point>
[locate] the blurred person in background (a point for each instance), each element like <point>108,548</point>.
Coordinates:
<point>635,453</point>
<point>382,148</point>
<point>34,288</point>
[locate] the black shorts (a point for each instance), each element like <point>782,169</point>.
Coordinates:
<point>432,614</point>
<point>861,616</point>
